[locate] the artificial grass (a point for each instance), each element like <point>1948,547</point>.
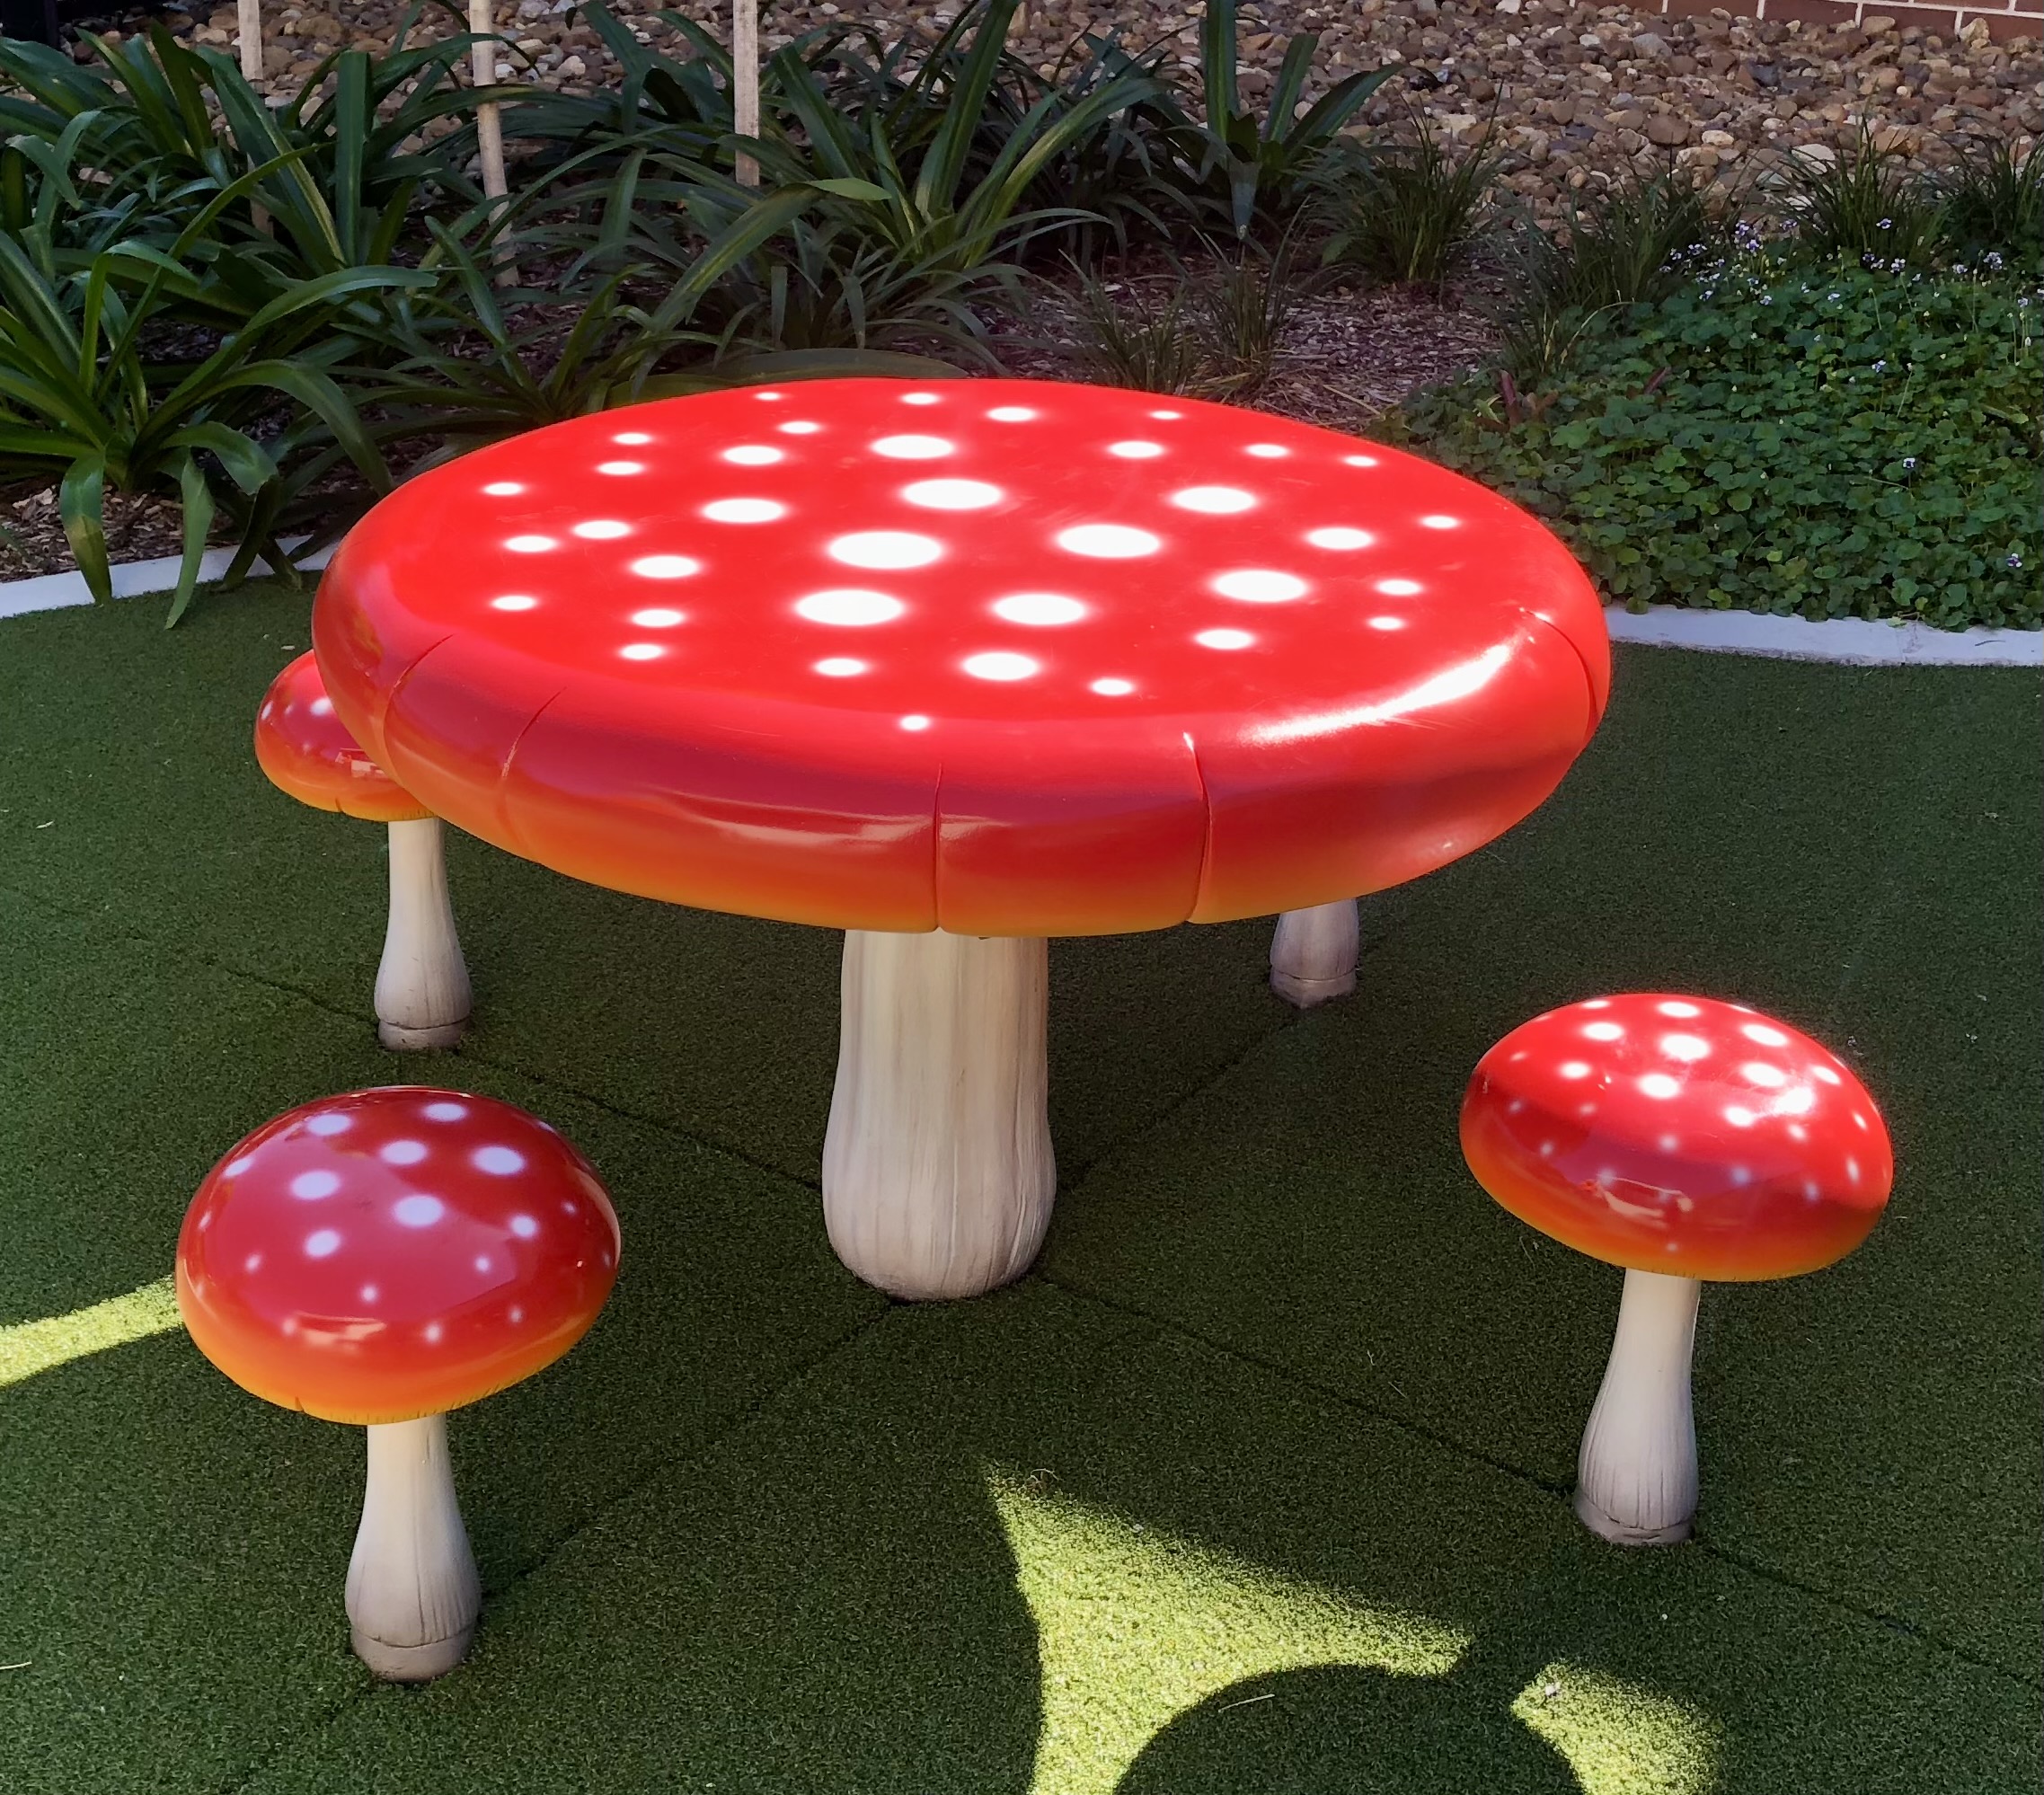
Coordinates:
<point>1258,1485</point>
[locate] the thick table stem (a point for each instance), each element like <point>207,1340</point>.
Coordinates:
<point>422,993</point>
<point>412,1590</point>
<point>1312,955</point>
<point>937,1168</point>
<point>1636,1476</point>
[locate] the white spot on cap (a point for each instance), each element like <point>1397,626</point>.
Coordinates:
<point>322,707</point>
<point>799,427</point>
<point>1224,639</point>
<point>1825,1076</point>
<point>632,438</point>
<point>849,605</point>
<point>253,1262</point>
<point>1439,522</point>
<point>1595,1004</point>
<point>1039,608</point>
<point>918,398</point>
<point>1852,1169</point>
<point>517,1313</point>
<point>952,495</point>
<point>1011,414</point>
<point>1260,586</point>
<point>601,529</point>
<point>1168,417</point>
<point>641,651</point>
<point>621,467</point>
<point>401,1153</point>
<point>1108,542</point>
<point>514,601</point>
<point>755,455</point>
<point>1763,1034</point>
<point>1340,536</point>
<point>322,1242</point>
<point>1660,1084</point>
<point>884,549</point>
<point>505,489</point>
<point>1768,1077</point>
<point>235,1167</point>
<point>1217,501</point>
<point>1574,1069</point>
<point>483,1262</point>
<point>314,1185</point>
<point>840,667</point>
<point>1604,1032</point>
<point>1398,589</point>
<point>665,567</point>
<point>1670,1142</point>
<point>1136,451</point>
<point>432,1332</point>
<point>915,724</point>
<point>768,396</point>
<point>1268,451</point>
<point>418,1211</point>
<point>657,618</point>
<point>369,1293</point>
<point>912,449</point>
<point>1358,461</point>
<point>328,1125</point>
<point>1685,1048</point>
<point>1112,688</point>
<point>744,511</point>
<point>445,1112</point>
<point>1387,622</point>
<point>999,665</point>
<point>529,544</point>
<point>1675,1007</point>
<point>501,1160</point>
<point>1740,1116</point>
<point>524,1227</point>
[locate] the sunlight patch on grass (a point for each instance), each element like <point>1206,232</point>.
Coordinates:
<point>27,1347</point>
<point>1618,1737</point>
<point>1135,1626</point>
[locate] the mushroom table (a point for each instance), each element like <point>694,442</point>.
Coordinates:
<point>955,668</point>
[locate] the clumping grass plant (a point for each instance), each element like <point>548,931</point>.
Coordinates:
<point>1412,211</point>
<point>1819,439</point>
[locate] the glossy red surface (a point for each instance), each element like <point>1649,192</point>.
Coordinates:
<point>1678,1134</point>
<point>393,1253</point>
<point>306,750</point>
<point>1024,658</point>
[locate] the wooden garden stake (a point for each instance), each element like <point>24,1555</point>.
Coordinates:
<point>489,124</point>
<point>745,83</point>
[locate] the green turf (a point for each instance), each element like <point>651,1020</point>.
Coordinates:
<point>1260,1485</point>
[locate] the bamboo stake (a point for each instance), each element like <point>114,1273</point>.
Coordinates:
<point>489,124</point>
<point>249,20</point>
<point>745,83</point>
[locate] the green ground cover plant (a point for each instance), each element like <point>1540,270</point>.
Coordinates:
<point>1786,435</point>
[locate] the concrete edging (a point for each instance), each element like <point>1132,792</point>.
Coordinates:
<point>1849,640</point>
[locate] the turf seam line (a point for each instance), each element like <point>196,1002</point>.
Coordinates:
<point>1519,1473</point>
<point>312,1000</point>
<point>741,1418</point>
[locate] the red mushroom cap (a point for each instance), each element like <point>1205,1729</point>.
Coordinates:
<point>1026,657</point>
<point>393,1253</point>
<point>306,750</point>
<point>1678,1134</point>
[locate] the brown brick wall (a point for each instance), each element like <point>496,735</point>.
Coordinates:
<point>2016,19</point>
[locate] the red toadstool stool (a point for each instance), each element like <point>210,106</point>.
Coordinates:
<point>1685,1139</point>
<point>379,1259</point>
<point>423,995</point>
<point>956,669</point>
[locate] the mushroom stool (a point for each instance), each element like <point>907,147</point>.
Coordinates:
<point>1685,1139</point>
<point>378,1258</point>
<point>423,995</point>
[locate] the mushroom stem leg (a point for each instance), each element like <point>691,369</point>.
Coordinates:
<point>937,1167</point>
<point>412,1591</point>
<point>1636,1477</point>
<point>745,85</point>
<point>1312,955</point>
<point>422,993</point>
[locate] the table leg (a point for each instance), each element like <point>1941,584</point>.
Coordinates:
<point>937,1168</point>
<point>1312,955</point>
<point>423,992</point>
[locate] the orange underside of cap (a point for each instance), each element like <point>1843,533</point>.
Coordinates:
<point>306,751</point>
